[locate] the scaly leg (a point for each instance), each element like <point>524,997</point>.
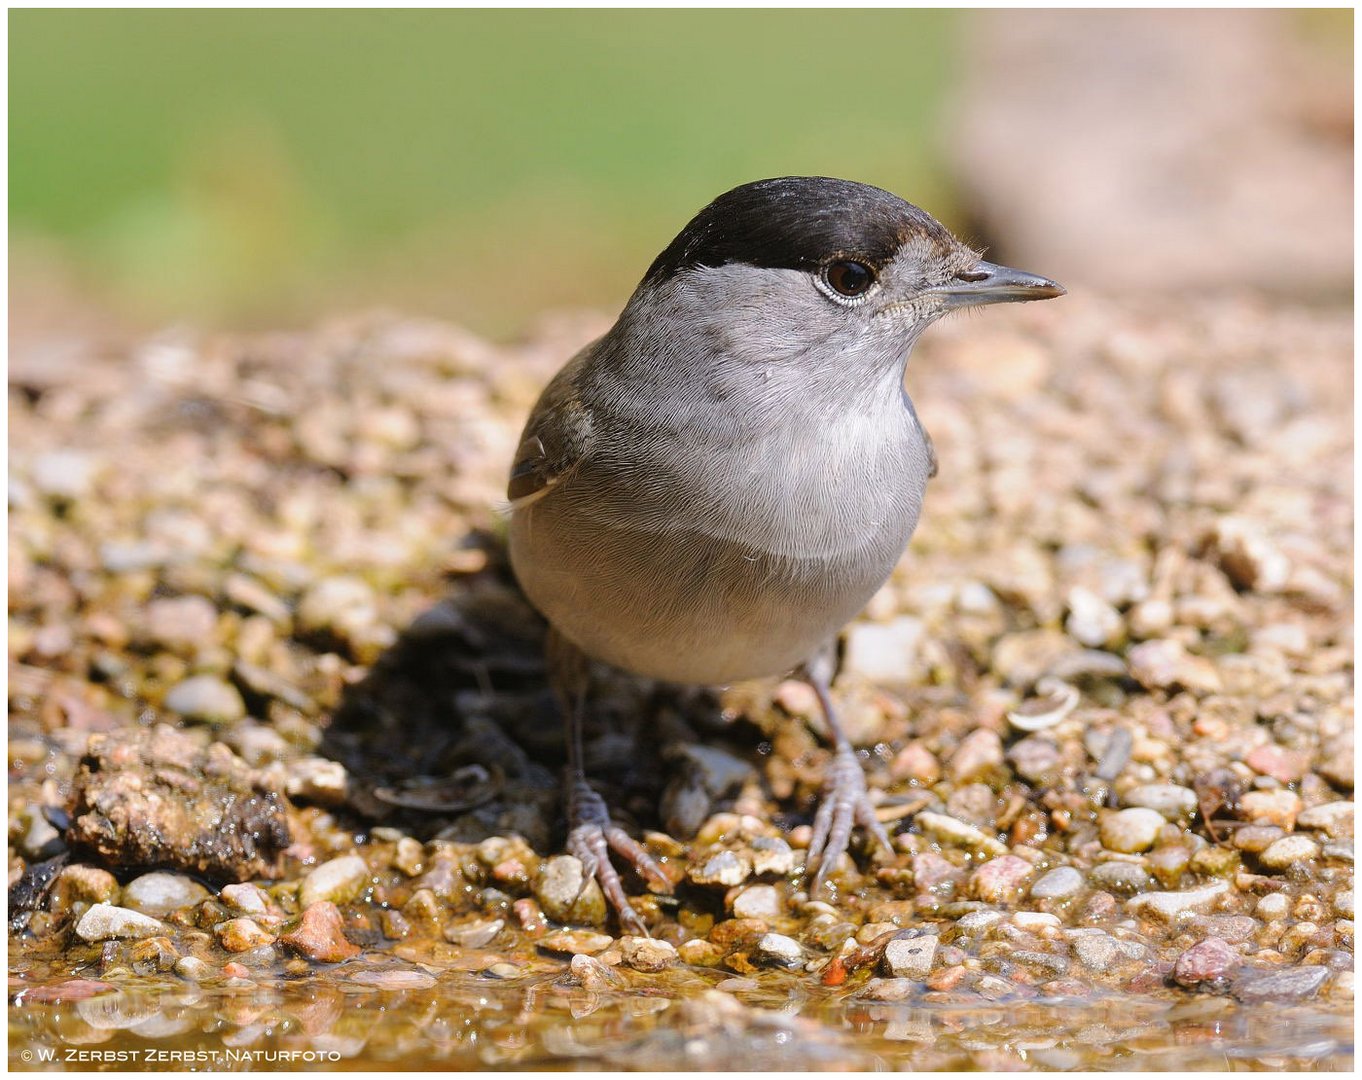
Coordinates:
<point>845,803</point>
<point>591,833</point>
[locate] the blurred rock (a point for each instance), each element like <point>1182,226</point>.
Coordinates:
<point>1196,186</point>
<point>157,798</point>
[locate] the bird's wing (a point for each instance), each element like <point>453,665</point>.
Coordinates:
<point>555,441</point>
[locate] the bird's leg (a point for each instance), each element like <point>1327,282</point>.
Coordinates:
<point>591,833</point>
<point>845,802</point>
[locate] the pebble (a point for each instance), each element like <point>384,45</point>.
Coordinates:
<point>206,698</point>
<point>79,883</point>
<point>890,989</point>
<point>318,780</point>
<point>699,953</point>
<point>394,979</point>
<point>1047,965</point>
<point>62,474</point>
<point>771,855</point>
<point>410,856</point>
<point>1096,951</point>
<point>1036,759</point>
<point>319,935</point>
<point>1334,819</point>
<point>777,950</point>
<point>1273,906</point>
<point>394,923</point>
<point>976,921</point>
<point>475,934</point>
<point>933,874</point>
<point>1231,928</point>
<point>592,974</point>
<point>725,868</point>
<point>339,605</point>
<point>1169,906</point>
<point>979,755</point>
<point>758,902</point>
<point>242,935</point>
<point>1171,800</point>
<point>251,899</point>
<point>885,653</point>
<point>1092,621</point>
<point>912,957</point>
<point>1122,878</point>
<point>1001,880</point>
<point>104,922</point>
<point>1256,838</point>
<point>192,968</point>
<point>559,890</point>
<point>647,954</point>
<point>158,893</point>
<point>1207,961</point>
<point>575,941</point>
<point>41,839</point>
<point>248,593</point>
<point>183,623</point>
<point>337,880</point>
<point>1035,920</point>
<point>1286,984</point>
<point>1288,766</point>
<point>1336,762</point>
<point>1165,663</point>
<point>960,833</point>
<point>915,762</point>
<point>1132,830</point>
<point>1279,807</point>
<point>1281,854</point>
<point>1061,883</point>
<point>1168,864</point>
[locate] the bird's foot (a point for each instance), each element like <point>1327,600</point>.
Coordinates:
<point>844,805</point>
<point>591,838</point>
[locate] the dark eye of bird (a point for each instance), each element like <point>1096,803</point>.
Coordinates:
<point>850,278</point>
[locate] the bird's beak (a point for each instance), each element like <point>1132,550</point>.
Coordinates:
<point>989,283</point>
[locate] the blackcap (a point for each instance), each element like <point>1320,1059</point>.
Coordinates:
<point>710,491</point>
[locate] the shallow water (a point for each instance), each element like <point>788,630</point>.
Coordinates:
<point>471,1021</point>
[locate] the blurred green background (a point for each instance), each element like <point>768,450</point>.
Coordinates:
<point>248,167</point>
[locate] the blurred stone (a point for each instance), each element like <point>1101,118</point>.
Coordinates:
<point>1131,830</point>
<point>1289,850</point>
<point>1061,883</point>
<point>319,935</point>
<point>158,893</point>
<point>157,798</point>
<point>206,698</point>
<point>1267,210</point>
<point>1207,961</point>
<point>104,921</point>
<point>1001,880</point>
<point>647,954</point>
<point>912,957</point>
<point>566,895</point>
<point>885,653</point>
<point>337,880</point>
<point>777,950</point>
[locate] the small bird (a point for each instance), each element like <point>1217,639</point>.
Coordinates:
<point>713,489</point>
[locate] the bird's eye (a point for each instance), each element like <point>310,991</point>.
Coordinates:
<point>849,278</point>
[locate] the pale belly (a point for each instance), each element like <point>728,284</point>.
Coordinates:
<point>690,608</point>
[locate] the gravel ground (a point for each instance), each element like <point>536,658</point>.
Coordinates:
<point>283,763</point>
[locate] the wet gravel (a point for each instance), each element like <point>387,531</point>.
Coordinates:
<point>1105,706</point>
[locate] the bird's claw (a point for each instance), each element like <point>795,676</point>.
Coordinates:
<point>591,838</point>
<point>844,805</point>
